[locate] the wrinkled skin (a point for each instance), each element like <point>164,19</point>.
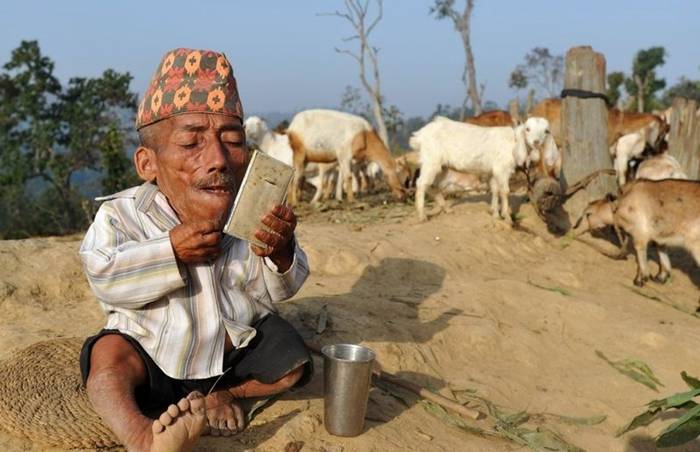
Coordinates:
<point>197,160</point>
<point>198,165</point>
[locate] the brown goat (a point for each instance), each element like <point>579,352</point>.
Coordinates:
<point>664,212</point>
<point>495,118</point>
<point>619,122</point>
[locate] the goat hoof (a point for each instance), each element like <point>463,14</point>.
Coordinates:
<point>639,282</point>
<point>662,278</point>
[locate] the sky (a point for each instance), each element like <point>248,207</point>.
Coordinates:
<point>283,54</point>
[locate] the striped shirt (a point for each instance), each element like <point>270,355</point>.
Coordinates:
<point>179,313</point>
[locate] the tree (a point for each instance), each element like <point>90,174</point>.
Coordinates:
<point>351,102</point>
<point>356,13</point>
<point>448,112</point>
<point>540,69</point>
<point>117,170</point>
<point>615,82</point>
<point>394,122</point>
<point>517,79</point>
<point>690,89</point>
<point>643,84</point>
<point>445,9</point>
<point>50,133</point>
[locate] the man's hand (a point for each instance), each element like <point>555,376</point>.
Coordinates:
<point>196,242</point>
<point>279,240</point>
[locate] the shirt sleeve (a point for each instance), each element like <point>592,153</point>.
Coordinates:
<point>124,272</point>
<point>282,286</point>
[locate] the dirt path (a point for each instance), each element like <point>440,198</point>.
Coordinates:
<point>514,317</point>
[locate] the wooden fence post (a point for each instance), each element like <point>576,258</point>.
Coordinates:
<point>584,125</point>
<point>684,140</point>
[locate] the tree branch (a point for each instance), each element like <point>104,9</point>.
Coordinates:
<point>348,52</point>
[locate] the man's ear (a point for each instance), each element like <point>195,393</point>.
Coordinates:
<point>146,163</point>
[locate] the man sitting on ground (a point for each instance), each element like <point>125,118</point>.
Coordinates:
<point>189,310</point>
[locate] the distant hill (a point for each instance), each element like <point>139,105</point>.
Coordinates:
<point>273,117</point>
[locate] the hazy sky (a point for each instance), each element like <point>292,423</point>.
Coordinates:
<point>283,56</point>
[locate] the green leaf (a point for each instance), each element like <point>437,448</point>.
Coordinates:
<point>513,419</point>
<point>555,289</point>
<point>685,429</point>
<point>681,400</point>
<point>641,420</point>
<point>676,400</point>
<point>634,369</point>
<point>692,382</point>
<point>574,420</point>
<point>546,440</point>
<point>440,413</point>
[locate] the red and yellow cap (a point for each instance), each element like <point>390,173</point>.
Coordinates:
<point>190,81</point>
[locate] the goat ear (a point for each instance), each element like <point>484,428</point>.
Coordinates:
<point>520,152</point>
<point>550,150</point>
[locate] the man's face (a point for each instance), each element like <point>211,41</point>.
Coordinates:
<point>201,160</point>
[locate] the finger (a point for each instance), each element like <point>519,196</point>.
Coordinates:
<point>208,252</point>
<point>206,226</point>
<point>281,227</point>
<point>258,251</point>
<point>270,239</point>
<point>211,238</point>
<point>284,212</point>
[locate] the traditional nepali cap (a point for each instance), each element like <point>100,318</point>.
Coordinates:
<point>190,81</point>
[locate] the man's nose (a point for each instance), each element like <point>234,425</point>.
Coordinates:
<point>216,157</point>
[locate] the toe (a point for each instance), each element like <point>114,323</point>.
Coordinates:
<point>183,404</point>
<point>197,405</point>
<point>232,425</point>
<point>165,419</point>
<point>214,431</point>
<point>240,417</point>
<point>195,395</point>
<point>173,410</point>
<point>157,427</point>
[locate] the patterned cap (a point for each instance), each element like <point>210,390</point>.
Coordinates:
<point>190,81</point>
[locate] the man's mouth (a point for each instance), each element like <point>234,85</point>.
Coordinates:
<point>218,189</point>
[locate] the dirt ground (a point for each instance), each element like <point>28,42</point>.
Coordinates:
<point>462,304</point>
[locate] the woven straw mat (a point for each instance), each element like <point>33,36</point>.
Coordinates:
<point>45,401</point>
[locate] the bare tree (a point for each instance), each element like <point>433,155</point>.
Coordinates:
<point>356,13</point>
<point>541,69</point>
<point>445,9</point>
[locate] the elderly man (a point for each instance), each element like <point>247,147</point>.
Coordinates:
<point>189,310</point>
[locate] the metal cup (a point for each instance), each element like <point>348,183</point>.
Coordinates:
<point>347,372</point>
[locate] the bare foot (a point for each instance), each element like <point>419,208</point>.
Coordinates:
<point>177,429</point>
<point>224,414</point>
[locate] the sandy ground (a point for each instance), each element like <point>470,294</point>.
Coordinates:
<point>460,303</point>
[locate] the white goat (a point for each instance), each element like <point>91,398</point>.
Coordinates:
<point>328,136</point>
<point>277,145</point>
<point>485,151</point>
<point>632,145</point>
<point>271,143</point>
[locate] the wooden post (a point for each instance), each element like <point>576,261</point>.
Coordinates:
<point>584,125</point>
<point>684,140</point>
<point>514,110</point>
